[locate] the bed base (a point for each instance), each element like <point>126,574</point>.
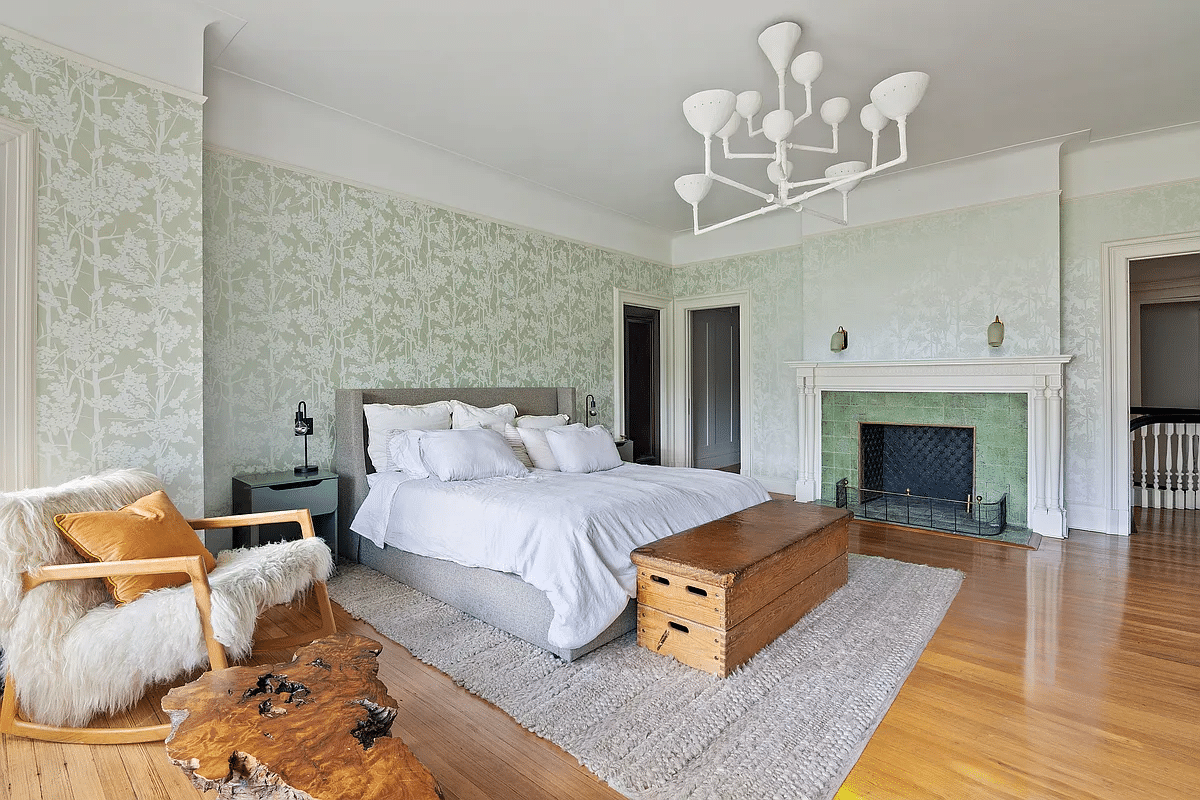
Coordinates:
<point>500,599</point>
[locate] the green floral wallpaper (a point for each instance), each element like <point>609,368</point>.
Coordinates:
<point>311,285</point>
<point>119,325</point>
<point>911,289</point>
<point>775,281</point>
<point>1088,223</point>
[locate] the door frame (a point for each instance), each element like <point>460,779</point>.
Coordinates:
<point>622,298</point>
<point>1115,322</point>
<point>18,304</point>
<point>682,367</point>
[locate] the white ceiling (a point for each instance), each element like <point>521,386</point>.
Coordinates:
<point>585,98</point>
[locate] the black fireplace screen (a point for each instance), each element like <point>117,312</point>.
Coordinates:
<point>923,460</point>
<point>922,476</point>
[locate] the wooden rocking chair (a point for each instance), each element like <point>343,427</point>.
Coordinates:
<point>39,586</point>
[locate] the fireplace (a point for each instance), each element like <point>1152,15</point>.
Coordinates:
<point>918,387</point>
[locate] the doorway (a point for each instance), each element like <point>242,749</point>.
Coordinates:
<point>642,379</point>
<point>716,389</point>
<point>1116,259</point>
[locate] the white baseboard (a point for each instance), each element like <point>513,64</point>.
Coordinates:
<point>779,485</point>
<point>1097,519</point>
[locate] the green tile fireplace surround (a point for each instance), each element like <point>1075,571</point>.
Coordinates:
<point>1001,427</point>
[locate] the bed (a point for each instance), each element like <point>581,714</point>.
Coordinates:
<point>499,596</point>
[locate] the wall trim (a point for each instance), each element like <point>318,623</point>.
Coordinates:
<point>1148,187</point>
<point>621,298</point>
<point>681,446</point>
<point>18,306</point>
<point>1114,348</point>
<point>95,63</point>
<point>882,224</point>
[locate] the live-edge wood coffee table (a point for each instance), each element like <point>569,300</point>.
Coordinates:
<point>315,727</point>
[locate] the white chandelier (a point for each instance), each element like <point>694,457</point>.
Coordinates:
<point>718,112</point>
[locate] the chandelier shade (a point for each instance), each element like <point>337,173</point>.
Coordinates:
<point>718,112</point>
<point>693,188</point>
<point>899,95</point>
<point>778,42</point>
<point>708,111</point>
<point>845,170</point>
<point>807,67</point>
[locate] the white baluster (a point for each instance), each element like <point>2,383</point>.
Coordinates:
<point>1156,496</point>
<point>1144,475</point>
<point>1182,471</point>
<point>1169,469</point>
<point>1192,481</point>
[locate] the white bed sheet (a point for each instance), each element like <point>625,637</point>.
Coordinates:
<point>568,535</point>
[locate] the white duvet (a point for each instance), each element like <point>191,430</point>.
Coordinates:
<point>569,535</point>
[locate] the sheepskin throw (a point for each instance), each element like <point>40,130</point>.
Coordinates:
<point>73,654</point>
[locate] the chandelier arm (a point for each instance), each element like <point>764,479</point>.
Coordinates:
<point>729,154</point>
<point>875,170</point>
<point>750,127</point>
<point>822,215</point>
<point>755,213</point>
<point>808,107</point>
<point>770,198</point>
<point>814,149</point>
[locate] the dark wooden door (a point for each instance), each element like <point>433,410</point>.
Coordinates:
<point>716,388</point>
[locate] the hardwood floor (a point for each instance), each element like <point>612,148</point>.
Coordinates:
<point>1072,671</point>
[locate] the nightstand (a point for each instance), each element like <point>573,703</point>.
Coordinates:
<point>625,448</point>
<point>281,491</point>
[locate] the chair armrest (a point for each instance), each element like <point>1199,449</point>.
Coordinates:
<point>193,566</point>
<point>102,569</point>
<point>300,515</point>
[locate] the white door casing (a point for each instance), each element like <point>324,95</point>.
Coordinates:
<point>1114,277</point>
<point>622,298</point>
<point>681,436</point>
<point>18,309</point>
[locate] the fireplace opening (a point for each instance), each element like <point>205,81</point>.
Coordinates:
<point>936,461</point>
<point>922,476</point>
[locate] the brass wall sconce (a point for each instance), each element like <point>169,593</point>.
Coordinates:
<point>840,338</point>
<point>995,333</point>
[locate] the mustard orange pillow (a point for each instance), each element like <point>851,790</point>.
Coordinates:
<point>149,527</point>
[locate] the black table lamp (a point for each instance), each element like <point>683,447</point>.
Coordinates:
<point>304,427</point>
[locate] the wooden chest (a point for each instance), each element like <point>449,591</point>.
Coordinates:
<point>715,595</point>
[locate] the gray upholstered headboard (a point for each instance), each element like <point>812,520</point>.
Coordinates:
<point>350,430</point>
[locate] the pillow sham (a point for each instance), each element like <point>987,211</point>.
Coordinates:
<point>404,453</point>
<point>464,415</point>
<point>513,437</point>
<point>546,421</point>
<point>149,527</point>
<point>538,448</point>
<point>465,455</point>
<point>582,449</point>
<point>384,417</point>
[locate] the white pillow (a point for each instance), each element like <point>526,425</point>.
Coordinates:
<point>580,449</point>
<point>404,453</point>
<point>538,448</point>
<point>513,437</point>
<point>383,418</point>
<point>464,415</point>
<point>465,455</point>
<point>548,421</point>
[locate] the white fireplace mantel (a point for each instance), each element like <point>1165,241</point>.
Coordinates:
<point>1040,377</point>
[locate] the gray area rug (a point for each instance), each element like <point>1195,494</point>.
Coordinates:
<point>789,724</point>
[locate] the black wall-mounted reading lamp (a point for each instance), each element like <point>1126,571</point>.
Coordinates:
<point>590,402</point>
<point>304,427</point>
